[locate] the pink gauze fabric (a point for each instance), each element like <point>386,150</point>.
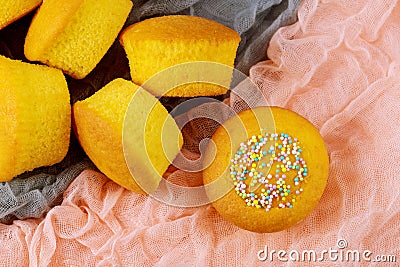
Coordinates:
<point>338,66</point>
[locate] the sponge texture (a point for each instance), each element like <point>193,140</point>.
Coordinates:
<point>158,43</point>
<point>10,11</point>
<point>35,117</point>
<point>73,35</point>
<point>99,124</point>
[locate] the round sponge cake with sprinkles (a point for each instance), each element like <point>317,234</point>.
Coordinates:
<point>270,174</point>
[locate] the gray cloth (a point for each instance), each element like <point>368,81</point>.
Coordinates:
<point>32,194</point>
<point>31,197</point>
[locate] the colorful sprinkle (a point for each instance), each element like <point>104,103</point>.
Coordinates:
<point>284,155</point>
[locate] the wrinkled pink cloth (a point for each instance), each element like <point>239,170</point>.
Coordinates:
<point>338,66</point>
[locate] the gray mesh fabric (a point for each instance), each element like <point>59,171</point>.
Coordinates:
<point>32,194</point>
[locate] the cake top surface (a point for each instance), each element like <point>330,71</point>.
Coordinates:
<point>180,27</point>
<point>268,173</point>
<point>269,161</point>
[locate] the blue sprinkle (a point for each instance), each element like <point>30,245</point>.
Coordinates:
<point>281,189</point>
<point>264,153</point>
<point>297,167</point>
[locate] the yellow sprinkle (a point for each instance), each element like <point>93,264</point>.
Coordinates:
<point>286,194</point>
<point>255,202</point>
<point>284,198</point>
<point>253,165</point>
<point>259,136</point>
<point>283,169</point>
<point>293,200</point>
<point>284,186</point>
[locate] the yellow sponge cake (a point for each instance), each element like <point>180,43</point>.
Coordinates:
<point>35,117</point>
<point>269,171</point>
<point>155,44</point>
<point>99,125</point>
<point>73,35</point>
<point>10,11</point>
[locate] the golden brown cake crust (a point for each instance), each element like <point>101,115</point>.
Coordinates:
<point>171,28</point>
<point>231,206</point>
